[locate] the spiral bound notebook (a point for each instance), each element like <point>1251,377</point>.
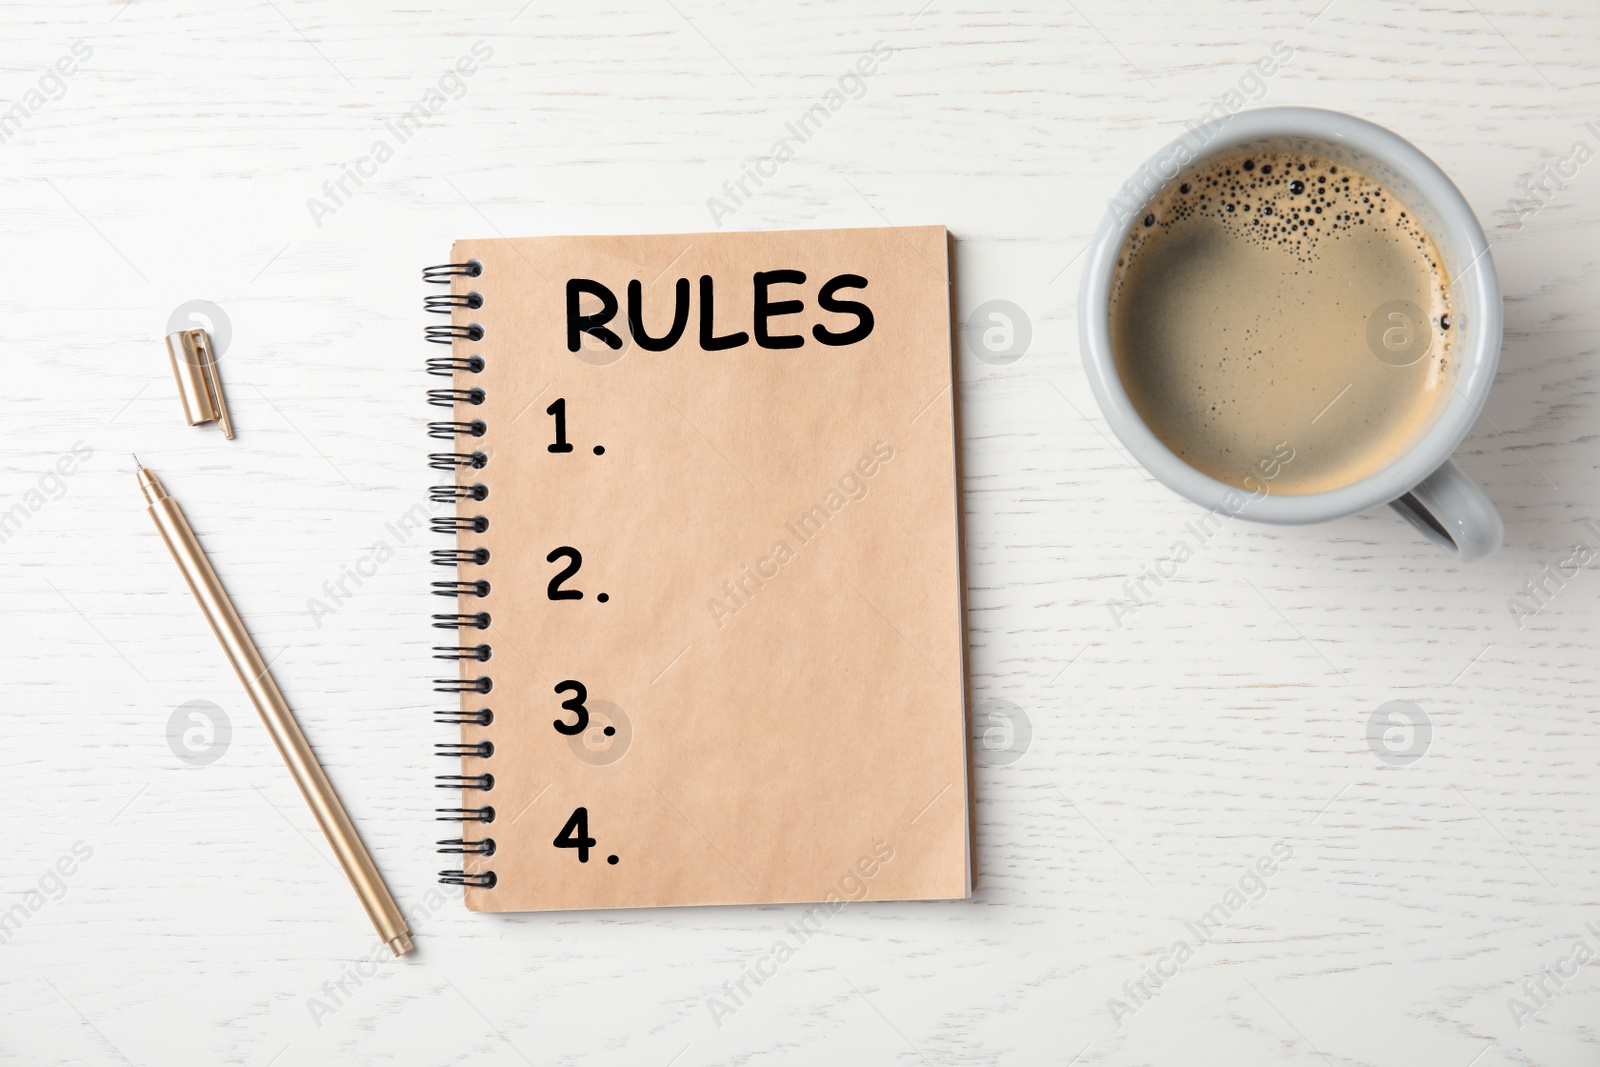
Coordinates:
<point>709,624</point>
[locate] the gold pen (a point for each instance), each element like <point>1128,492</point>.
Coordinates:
<point>275,714</point>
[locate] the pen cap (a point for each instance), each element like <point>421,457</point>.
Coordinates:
<point>194,365</point>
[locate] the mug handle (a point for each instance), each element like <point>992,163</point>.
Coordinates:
<point>1453,512</point>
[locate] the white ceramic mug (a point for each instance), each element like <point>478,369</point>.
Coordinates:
<point>1420,481</point>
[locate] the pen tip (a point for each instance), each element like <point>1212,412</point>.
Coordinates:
<point>136,464</point>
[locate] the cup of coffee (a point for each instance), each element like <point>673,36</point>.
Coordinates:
<point>1291,315</point>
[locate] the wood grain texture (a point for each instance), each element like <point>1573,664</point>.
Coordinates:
<point>1167,756</point>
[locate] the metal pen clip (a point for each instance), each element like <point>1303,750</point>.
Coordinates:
<point>194,364</point>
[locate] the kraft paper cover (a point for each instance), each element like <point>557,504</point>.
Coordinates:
<point>781,649</point>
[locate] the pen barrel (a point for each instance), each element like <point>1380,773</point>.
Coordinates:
<point>281,724</point>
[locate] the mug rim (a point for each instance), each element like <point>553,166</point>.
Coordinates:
<point>1477,360</point>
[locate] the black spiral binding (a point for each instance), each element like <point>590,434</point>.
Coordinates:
<point>455,463</point>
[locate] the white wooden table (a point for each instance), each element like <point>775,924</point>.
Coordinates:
<point>201,920</point>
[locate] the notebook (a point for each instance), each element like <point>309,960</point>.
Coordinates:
<point>708,602</point>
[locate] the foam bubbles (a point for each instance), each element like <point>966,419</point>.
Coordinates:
<point>1291,201</point>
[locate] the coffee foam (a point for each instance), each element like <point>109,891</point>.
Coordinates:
<point>1293,201</point>
<point>1239,310</point>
